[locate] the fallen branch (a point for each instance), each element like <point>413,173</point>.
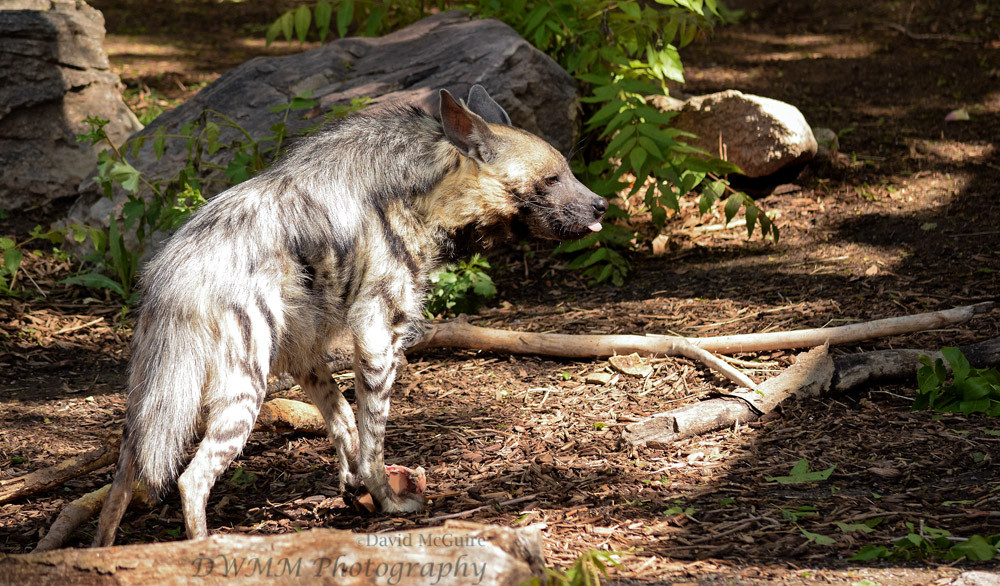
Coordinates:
<point>82,509</point>
<point>453,554</point>
<point>460,334</point>
<point>46,478</point>
<point>812,374</point>
<point>809,376</point>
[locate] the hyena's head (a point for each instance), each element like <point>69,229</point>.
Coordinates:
<point>524,179</point>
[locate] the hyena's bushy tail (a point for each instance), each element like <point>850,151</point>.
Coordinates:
<point>164,405</point>
<point>165,402</point>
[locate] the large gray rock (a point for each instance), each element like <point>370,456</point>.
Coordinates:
<point>760,135</point>
<point>446,50</point>
<point>53,74</point>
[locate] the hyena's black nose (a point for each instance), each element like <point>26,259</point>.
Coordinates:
<point>600,206</point>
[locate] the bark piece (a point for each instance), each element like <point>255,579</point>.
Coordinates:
<point>453,554</point>
<point>631,364</point>
<point>281,415</point>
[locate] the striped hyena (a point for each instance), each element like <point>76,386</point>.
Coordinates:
<point>339,235</point>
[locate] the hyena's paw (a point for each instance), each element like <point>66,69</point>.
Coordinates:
<point>408,486</point>
<point>404,503</point>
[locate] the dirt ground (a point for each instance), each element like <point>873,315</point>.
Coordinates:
<point>906,221</point>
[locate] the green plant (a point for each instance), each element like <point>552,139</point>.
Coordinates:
<point>12,254</point>
<point>927,542</point>
<point>368,18</point>
<point>800,473</point>
<point>586,570</point>
<point>154,205</point>
<point>241,478</point>
<point>972,390</point>
<point>623,53</point>
<point>460,288</point>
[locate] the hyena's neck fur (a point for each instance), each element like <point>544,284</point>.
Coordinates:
<point>467,203</point>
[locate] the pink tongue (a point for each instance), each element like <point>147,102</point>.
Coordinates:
<point>596,227</point>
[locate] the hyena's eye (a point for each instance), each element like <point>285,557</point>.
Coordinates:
<point>552,180</point>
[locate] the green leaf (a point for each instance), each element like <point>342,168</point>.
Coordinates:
<point>12,259</point>
<point>272,32</point>
<point>125,174</point>
<point>159,145</point>
<point>869,553</point>
<point>976,549</point>
<point>800,473</point>
<point>817,538</point>
<point>303,18</point>
<point>95,281</point>
<point>960,366</point>
<point>631,9</point>
<point>287,24</point>
<point>133,210</point>
<point>751,217</point>
<point>375,20</point>
<point>6,243</point>
<point>852,527</point>
<point>536,16</point>
<point>323,12</point>
<point>733,204</point>
<point>637,158</point>
<point>345,16</point>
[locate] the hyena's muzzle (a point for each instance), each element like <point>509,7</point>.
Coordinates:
<point>567,210</point>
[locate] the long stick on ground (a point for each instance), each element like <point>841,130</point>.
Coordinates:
<point>460,334</point>
<point>53,476</point>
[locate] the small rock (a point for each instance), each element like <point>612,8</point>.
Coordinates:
<point>827,143</point>
<point>598,378</point>
<point>632,365</point>
<point>760,135</point>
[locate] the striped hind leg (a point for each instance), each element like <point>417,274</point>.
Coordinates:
<point>232,410</point>
<point>379,333</point>
<point>322,390</point>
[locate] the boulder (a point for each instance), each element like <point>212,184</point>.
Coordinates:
<point>760,135</point>
<point>447,50</point>
<point>53,74</point>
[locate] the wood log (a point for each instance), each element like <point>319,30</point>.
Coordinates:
<point>455,554</point>
<point>809,376</point>
<point>812,374</point>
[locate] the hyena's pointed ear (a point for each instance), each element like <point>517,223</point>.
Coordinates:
<point>465,129</point>
<point>481,103</point>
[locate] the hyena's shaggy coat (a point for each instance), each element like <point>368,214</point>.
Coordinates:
<point>338,235</point>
